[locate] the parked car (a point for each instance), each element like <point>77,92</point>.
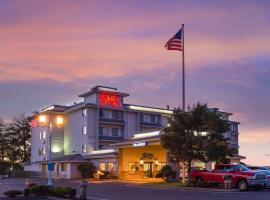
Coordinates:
<point>258,168</point>
<point>267,173</point>
<point>241,176</point>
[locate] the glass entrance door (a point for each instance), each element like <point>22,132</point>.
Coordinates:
<point>148,169</point>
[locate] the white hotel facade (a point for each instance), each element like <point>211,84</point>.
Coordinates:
<point>96,130</point>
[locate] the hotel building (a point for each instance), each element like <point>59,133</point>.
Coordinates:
<point>117,137</point>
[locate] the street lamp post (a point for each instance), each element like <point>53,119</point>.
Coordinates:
<point>59,122</point>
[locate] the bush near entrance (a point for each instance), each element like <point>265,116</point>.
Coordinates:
<point>166,173</point>
<point>87,169</point>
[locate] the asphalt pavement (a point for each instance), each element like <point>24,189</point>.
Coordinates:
<point>126,191</point>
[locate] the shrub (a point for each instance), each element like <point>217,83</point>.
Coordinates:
<point>12,193</point>
<point>40,190</point>
<point>63,192</point>
<point>166,173</point>
<point>87,169</point>
<point>32,184</point>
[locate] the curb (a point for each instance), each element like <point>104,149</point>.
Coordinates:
<point>191,188</point>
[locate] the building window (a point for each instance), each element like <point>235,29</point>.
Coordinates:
<point>42,135</point>
<point>158,118</point>
<point>42,151</point>
<point>84,131</point>
<point>116,114</point>
<point>111,167</point>
<point>84,111</point>
<point>84,148</point>
<point>133,167</point>
<point>142,117</point>
<point>153,118</point>
<point>103,131</point>
<point>103,113</point>
<point>160,165</point>
<point>115,132</point>
<point>63,167</point>
<point>102,167</point>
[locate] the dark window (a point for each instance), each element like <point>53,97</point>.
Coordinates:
<point>100,130</point>
<point>158,118</point>
<point>142,117</point>
<point>101,112</point>
<point>116,114</point>
<point>115,132</point>
<point>153,118</point>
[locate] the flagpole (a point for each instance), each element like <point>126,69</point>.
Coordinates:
<point>183,72</point>
<point>183,95</point>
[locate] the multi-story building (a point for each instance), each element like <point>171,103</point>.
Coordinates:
<point>97,129</point>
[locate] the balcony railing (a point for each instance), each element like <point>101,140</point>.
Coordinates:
<point>111,120</point>
<point>110,138</point>
<point>151,124</point>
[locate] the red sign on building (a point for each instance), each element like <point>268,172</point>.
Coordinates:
<point>109,99</point>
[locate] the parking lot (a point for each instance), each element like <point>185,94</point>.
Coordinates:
<point>128,191</point>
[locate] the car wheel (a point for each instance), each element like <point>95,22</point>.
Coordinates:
<point>200,181</point>
<point>243,185</point>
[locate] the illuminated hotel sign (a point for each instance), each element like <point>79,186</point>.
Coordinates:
<point>140,144</point>
<point>110,100</point>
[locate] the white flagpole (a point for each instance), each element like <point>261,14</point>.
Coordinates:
<point>183,93</point>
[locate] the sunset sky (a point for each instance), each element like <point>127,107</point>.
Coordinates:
<point>51,51</point>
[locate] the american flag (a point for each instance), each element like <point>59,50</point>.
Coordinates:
<point>175,43</point>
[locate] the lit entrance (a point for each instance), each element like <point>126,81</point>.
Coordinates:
<point>148,169</point>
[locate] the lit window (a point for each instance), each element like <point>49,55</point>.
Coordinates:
<point>84,148</point>
<point>133,167</point>
<point>102,167</point>
<point>84,112</point>
<point>84,131</point>
<point>110,167</point>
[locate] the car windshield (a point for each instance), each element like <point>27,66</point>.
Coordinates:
<point>243,168</point>
<point>266,172</point>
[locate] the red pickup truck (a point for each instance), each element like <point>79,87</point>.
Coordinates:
<point>241,176</point>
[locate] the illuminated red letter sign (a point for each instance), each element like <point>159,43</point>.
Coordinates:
<point>109,99</point>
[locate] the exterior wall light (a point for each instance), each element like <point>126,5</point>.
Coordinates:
<point>59,120</point>
<point>141,162</point>
<point>156,162</point>
<point>42,119</point>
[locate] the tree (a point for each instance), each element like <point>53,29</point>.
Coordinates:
<point>185,138</point>
<point>4,142</point>
<point>87,169</point>
<point>20,135</point>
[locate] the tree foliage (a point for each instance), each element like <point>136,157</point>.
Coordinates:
<point>196,135</point>
<point>14,142</point>
<point>87,169</point>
